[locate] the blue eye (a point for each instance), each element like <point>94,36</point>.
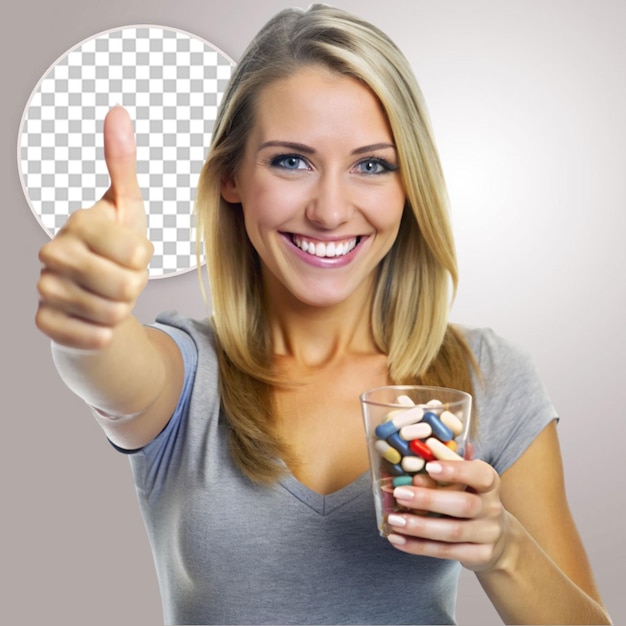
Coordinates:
<point>289,162</point>
<point>375,166</point>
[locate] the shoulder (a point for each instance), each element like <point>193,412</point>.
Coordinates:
<point>511,400</point>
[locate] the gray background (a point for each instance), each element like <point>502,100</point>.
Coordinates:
<point>527,99</point>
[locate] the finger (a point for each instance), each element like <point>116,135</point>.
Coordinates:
<point>93,231</point>
<point>477,475</point>
<point>92,272</point>
<point>60,293</point>
<point>471,555</point>
<point>120,153</point>
<point>72,332</point>
<point>451,530</point>
<point>453,502</point>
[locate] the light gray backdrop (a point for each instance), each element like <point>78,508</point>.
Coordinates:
<point>527,99</point>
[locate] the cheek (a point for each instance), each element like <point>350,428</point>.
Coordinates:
<point>270,206</point>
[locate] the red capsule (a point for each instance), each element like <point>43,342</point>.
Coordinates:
<point>421,449</point>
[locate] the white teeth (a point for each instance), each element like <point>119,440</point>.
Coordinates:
<point>326,250</point>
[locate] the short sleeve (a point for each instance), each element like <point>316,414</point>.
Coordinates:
<point>151,463</point>
<point>512,403</point>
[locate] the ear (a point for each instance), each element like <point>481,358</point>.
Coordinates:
<point>229,190</point>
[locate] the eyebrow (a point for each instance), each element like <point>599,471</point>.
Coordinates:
<point>301,147</point>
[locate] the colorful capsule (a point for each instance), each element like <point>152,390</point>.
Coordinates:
<point>421,449</point>
<point>440,430</point>
<point>405,400</point>
<point>387,452</point>
<point>452,422</point>
<point>400,481</point>
<point>421,430</point>
<point>441,450</point>
<point>413,464</point>
<point>408,416</point>
<point>399,444</point>
<point>385,429</point>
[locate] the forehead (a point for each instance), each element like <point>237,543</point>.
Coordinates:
<point>315,100</point>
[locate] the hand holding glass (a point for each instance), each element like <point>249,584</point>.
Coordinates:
<point>406,427</point>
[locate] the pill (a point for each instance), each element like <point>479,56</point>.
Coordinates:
<point>387,452</point>
<point>440,430</point>
<point>441,451</point>
<point>394,469</point>
<point>399,444</point>
<point>405,400</point>
<point>421,449</point>
<point>413,463</point>
<point>409,416</point>
<point>436,406</point>
<point>452,445</point>
<point>452,422</point>
<point>392,414</point>
<point>385,429</point>
<point>400,481</point>
<point>421,430</point>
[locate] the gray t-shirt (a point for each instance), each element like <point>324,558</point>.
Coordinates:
<point>228,551</point>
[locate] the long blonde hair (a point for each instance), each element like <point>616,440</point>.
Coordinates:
<point>417,278</point>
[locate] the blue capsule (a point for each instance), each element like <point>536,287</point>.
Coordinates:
<point>385,429</point>
<point>440,430</point>
<point>401,445</point>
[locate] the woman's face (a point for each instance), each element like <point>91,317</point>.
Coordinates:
<point>319,187</point>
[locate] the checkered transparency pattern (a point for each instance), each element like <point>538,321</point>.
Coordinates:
<point>171,83</point>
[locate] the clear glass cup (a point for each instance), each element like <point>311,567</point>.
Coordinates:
<point>401,424</point>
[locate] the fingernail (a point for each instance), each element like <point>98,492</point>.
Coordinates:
<point>396,520</point>
<point>398,540</point>
<point>401,493</point>
<point>434,468</point>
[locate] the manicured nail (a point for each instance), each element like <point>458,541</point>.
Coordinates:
<point>397,540</point>
<point>401,493</point>
<point>434,468</point>
<point>396,520</point>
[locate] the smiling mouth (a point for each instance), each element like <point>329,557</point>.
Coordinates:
<point>326,250</point>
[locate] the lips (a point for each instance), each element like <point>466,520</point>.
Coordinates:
<point>325,249</point>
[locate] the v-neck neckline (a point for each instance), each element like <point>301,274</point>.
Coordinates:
<point>325,504</point>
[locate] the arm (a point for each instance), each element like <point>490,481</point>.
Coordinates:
<point>93,272</point>
<point>516,532</point>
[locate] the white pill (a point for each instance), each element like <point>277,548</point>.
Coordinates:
<point>413,463</point>
<point>392,414</point>
<point>405,400</point>
<point>452,422</point>
<point>408,416</point>
<point>441,450</point>
<point>421,430</point>
<point>435,406</point>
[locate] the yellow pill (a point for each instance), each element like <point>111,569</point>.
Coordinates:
<point>387,452</point>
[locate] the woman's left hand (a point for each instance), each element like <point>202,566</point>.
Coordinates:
<point>471,521</point>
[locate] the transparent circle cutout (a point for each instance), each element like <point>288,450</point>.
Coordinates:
<point>171,82</point>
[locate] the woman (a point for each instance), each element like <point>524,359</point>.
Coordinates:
<point>330,258</point>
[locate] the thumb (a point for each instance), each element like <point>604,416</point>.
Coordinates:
<point>120,154</point>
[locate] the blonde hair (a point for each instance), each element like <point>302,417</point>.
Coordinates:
<point>416,280</point>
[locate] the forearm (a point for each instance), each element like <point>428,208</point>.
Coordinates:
<point>527,587</point>
<point>120,380</point>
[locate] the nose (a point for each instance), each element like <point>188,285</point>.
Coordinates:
<point>330,204</point>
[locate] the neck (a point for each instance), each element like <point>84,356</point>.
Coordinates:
<point>313,337</point>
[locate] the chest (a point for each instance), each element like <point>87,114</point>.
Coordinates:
<point>319,416</point>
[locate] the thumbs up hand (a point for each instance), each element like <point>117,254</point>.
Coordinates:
<point>96,266</point>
